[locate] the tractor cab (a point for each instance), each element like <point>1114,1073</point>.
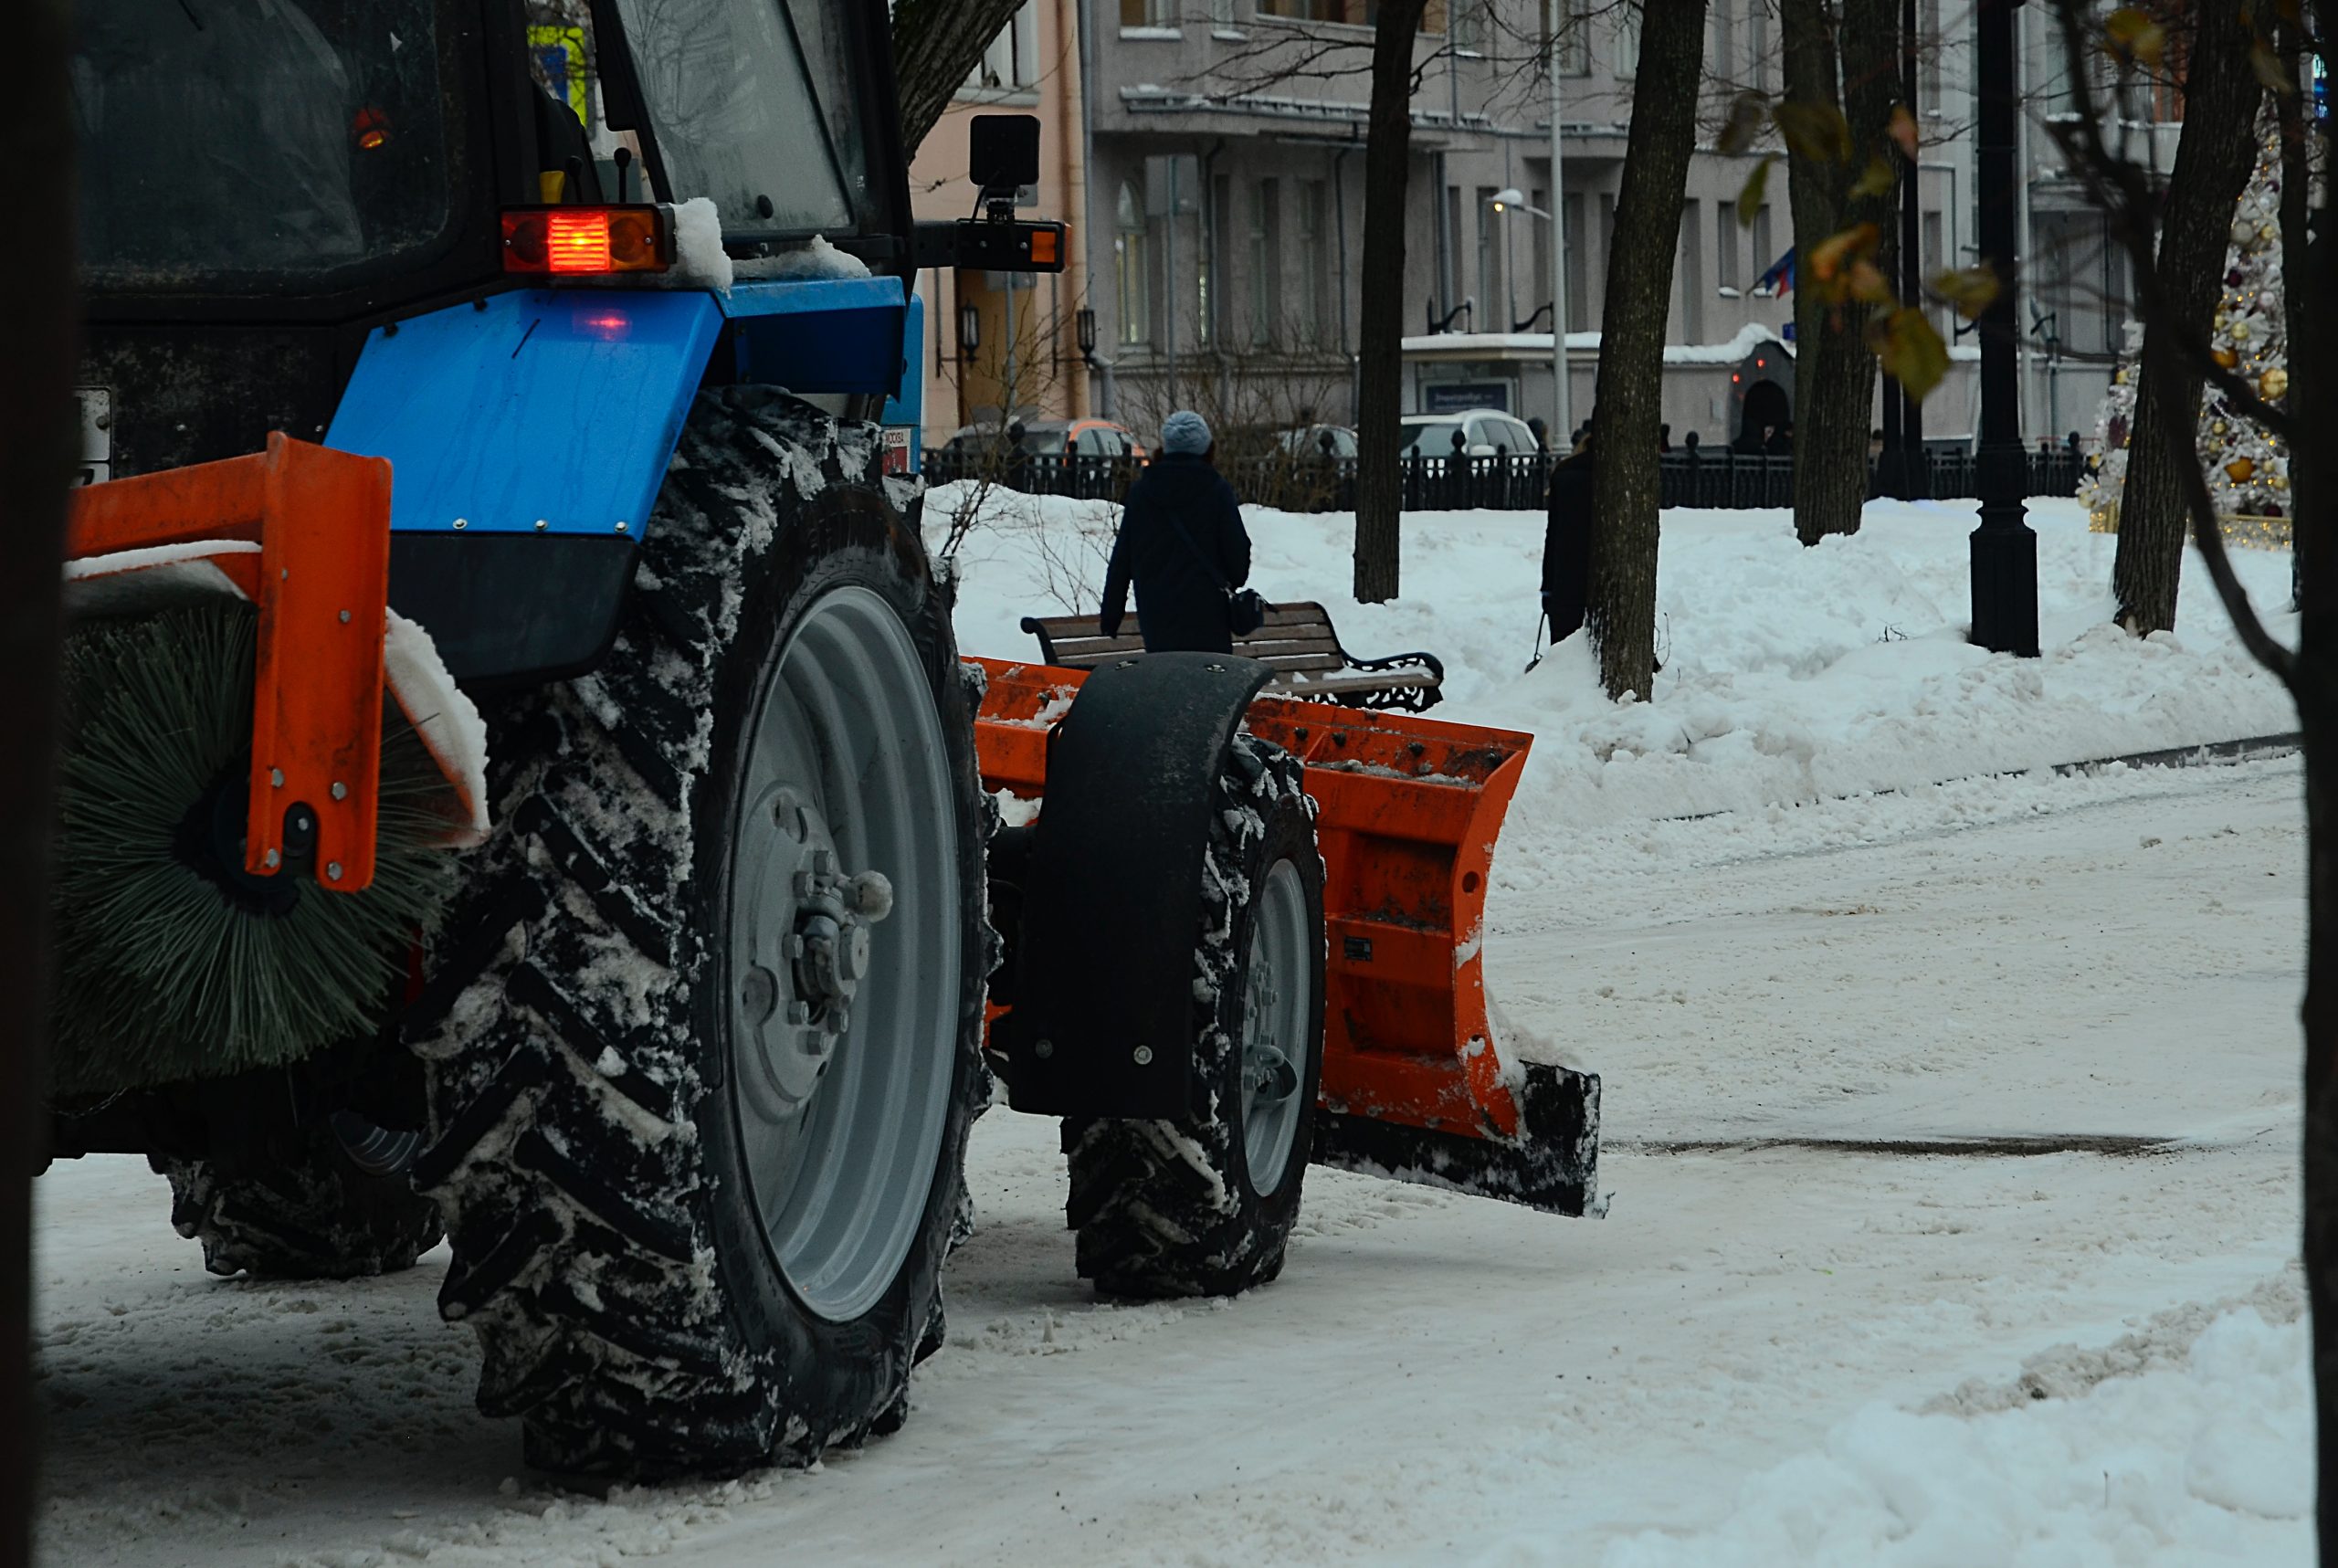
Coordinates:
<point>265,183</point>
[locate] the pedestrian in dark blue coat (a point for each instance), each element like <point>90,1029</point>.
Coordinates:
<point>1182,546</point>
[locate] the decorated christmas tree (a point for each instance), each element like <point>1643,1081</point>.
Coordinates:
<point>2248,473</point>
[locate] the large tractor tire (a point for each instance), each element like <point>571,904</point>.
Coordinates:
<point>340,1210</point>
<point>1204,1205</point>
<point>707,1043</point>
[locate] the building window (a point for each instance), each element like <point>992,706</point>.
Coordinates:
<point>1148,13</point>
<point>1693,272</point>
<point>1725,249</point>
<point>1757,45</point>
<point>1490,310</point>
<point>1764,259</point>
<point>1628,41</point>
<point>1929,57</point>
<point>1210,267</point>
<point>1574,38</point>
<point>1314,263</point>
<point>1930,257</point>
<point>1266,294</point>
<point>1317,11</point>
<point>1724,42</point>
<point>1578,282</point>
<point>1011,61</point>
<point>1468,24</point>
<point>1606,240</point>
<point>1539,284</point>
<point>1129,276</point>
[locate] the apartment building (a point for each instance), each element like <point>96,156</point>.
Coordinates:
<point>1210,156</point>
<point>1005,345</point>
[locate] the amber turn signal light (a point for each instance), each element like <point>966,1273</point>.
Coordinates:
<point>583,242</point>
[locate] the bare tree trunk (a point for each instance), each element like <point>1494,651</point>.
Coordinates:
<point>1621,603</point>
<point>936,46</point>
<point>1833,369</point>
<point>2212,164</point>
<point>36,453</point>
<point>1387,152</point>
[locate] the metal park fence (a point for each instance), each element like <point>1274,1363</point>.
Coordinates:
<point>1691,477</point>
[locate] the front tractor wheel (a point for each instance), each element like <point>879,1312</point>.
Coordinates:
<point>707,1051</point>
<point>1204,1205</point>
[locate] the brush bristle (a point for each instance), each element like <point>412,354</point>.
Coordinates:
<point>162,975</point>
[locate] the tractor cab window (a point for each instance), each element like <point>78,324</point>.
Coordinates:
<point>249,144</point>
<point>752,105</point>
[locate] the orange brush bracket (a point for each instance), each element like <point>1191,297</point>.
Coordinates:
<point>1408,812</point>
<point>321,519</point>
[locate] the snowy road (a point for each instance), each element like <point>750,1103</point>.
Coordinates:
<point>2059,967</point>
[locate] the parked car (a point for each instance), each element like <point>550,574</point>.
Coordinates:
<point>1486,433</point>
<point>1313,441</point>
<point>1056,437</point>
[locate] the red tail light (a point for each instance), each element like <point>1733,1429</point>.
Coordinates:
<point>583,242</point>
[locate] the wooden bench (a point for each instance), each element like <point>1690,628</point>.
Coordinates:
<point>1297,641</point>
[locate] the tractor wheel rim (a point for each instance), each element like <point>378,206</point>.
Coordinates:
<point>841,1086</point>
<point>1276,1008</point>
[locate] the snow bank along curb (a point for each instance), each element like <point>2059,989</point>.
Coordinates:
<point>2190,1441</point>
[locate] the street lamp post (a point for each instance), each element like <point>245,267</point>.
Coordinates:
<point>1562,411</point>
<point>2005,551</point>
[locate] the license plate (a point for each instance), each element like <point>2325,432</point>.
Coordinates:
<point>97,434</point>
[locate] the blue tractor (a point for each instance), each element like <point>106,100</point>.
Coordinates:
<point>480,401</point>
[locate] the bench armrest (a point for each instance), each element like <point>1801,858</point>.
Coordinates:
<point>1434,666</point>
<point>1038,628</point>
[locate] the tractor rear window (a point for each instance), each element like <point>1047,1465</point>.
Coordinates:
<point>253,145</point>
<point>753,106</point>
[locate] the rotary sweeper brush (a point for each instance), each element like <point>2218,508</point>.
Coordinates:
<point>682,1052</point>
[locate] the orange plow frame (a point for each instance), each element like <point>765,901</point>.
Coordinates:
<point>1409,810</point>
<point>320,580</point>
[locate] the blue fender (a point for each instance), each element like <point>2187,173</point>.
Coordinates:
<point>529,434</point>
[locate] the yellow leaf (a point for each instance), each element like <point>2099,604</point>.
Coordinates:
<point>1748,112</point>
<point>1844,245</point>
<point>1903,131</point>
<point>1749,199</point>
<point>2270,70</point>
<point>1878,181</point>
<point>1815,130</point>
<point>1868,284</point>
<point>1969,288</point>
<point>2132,37</point>
<point>1914,354</point>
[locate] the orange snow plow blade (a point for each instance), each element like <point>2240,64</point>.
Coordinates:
<point>320,575</point>
<point>1415,1085</point>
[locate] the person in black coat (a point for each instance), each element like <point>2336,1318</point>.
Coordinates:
<point>1182,546</point>
<point>1566,543</point>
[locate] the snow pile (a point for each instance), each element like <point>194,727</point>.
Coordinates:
<point>1790,674</point>
<point>2211,1461</point>
<point>700,260</point>
<point>818,259</point>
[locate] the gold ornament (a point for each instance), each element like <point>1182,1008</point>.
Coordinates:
<point>2240,468</point>
<point>2268,232</point>
<point>2120,375</point>
<point>2278,482</point>
<point>2217,428</point>
<point>2226,358</point>
<point>2274,382</point>
<point>2240,332</point>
